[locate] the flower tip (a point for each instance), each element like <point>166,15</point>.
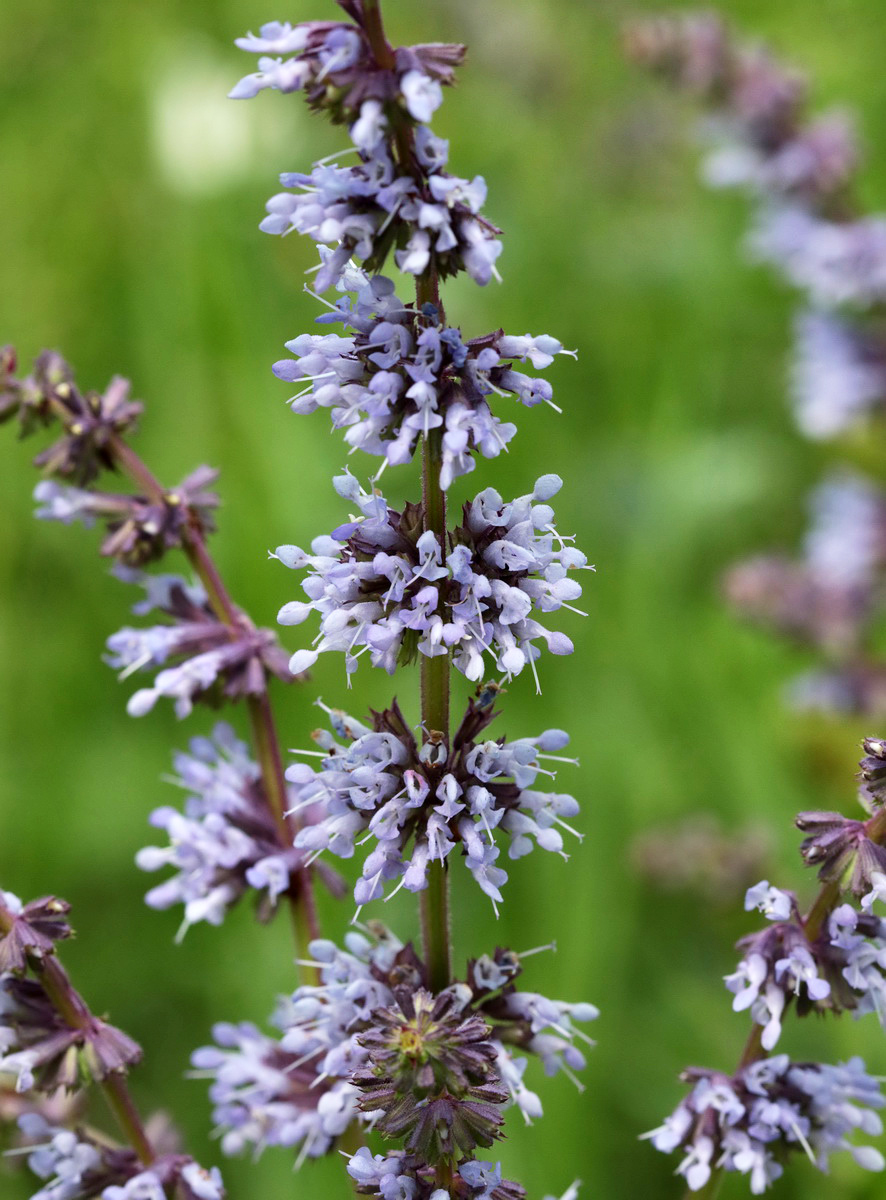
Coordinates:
<point>302,661</point>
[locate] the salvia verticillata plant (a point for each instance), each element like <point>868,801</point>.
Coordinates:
<point>799,170</point>
<point>380,1037</point>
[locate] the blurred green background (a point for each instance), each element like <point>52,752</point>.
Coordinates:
<point>131,193</point>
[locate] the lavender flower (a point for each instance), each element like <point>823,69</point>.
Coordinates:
<point>836,263</point>
<point>432,217</point>
<point>334,64</point>
<point>363,210</point>
<point>377,779</point>
<point>77,1166</point>
<point>140,530</point>
<point>838,376</point>
<point>226,842</point>
<point>400,1174</point>
<point>800,171</point>
<point>303,1088</point>
<point>861,940</point>
<point>216,658</point>
<point>380,584</point>
<point>748,1122</point>
<point>91,423</point>
<point>396,374</point>
<point>826,598</point>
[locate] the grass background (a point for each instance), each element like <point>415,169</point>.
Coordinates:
<point>131,191</point>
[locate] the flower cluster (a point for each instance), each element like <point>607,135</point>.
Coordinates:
<point>748,1122</point>
<point>40,1048</point>
<point>76,1166</point>
<point>395,374</point>
<point>420,802</point>
<point>404,199</point>
<point>842,967</point>
<point>140,529</point>
<point>50,1041</point>
<point>215,658</point>
<point>226,841</point>
<point>372,1029</point>
<point>401,1174</point>
<point>91,422</point>
<point>334,63</point>
<point>800,171</point>
<point>380,584</point>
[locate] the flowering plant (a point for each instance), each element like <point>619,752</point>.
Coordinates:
<point>381,1038</point>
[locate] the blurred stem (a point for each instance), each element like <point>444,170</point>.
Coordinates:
<point>75,1013</point>
<point>265,742</point>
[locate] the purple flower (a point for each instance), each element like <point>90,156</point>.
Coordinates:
<point>421,802</point>
<point>139,530</point>
<point>302,1088</point>
<point>226,841</point>
<point>382,586</point>
<point>838,376</point>
<point>749,1122</point>
<point>395,377</point>
<point>215,657</point>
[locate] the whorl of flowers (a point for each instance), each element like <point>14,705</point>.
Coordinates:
<point>751,1121</point>
<point>399,1173</point>
<point>410,204</point>
<point>380,586</point>
<point>51,1042</point>
<point>831,959</point>
<point>808,224</point>
<point>38,1045</point>
<point>50,396</point>
<point>139,529</point>
<point>215,659</point>
<point>842,967</point>
<point>373,1027</point>
<point>75,1165</point>
<point>395,373</point>
<point>226,842</point>
<point>420,802</point>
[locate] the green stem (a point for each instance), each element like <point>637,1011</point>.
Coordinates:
<point>435,927</point>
